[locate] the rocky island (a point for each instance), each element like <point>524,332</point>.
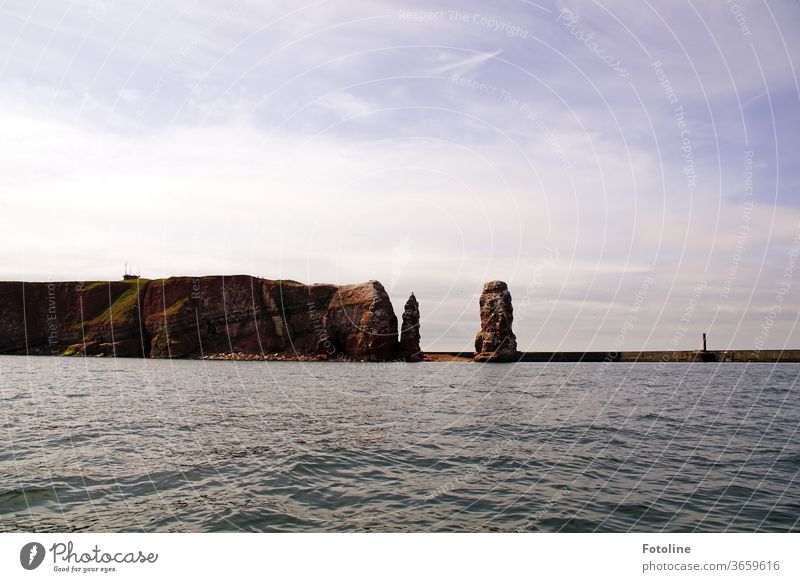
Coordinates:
<point>248,318</point>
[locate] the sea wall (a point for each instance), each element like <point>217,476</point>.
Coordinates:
<point>184,317</point>
<point>662,356</point>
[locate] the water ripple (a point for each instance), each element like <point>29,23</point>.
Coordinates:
<point>184,446</point>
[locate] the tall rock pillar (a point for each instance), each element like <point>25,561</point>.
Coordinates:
<point>409,333</point>
<point>496,341</point>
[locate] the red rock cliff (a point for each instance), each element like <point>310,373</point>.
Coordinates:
<point>361,323</point>
<point>190,317</point>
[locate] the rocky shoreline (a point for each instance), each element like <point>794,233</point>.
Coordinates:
<point>276,357</point>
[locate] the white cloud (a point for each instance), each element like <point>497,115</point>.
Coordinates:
<point>461,65</point>
<point>344,104</point>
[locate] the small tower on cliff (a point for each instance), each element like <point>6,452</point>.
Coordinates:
<point>128,276</point>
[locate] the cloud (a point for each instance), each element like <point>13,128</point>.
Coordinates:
<point>344,104</point>
<point>457,64</point>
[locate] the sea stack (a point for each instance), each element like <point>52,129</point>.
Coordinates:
<point>495,341</point>
<point>409,333</point>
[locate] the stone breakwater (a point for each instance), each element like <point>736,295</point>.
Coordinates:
<point>237,317</point>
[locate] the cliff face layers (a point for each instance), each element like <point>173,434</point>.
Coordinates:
<point>361,323</point>
<point>496,341</point>
<point>409,333</point>
<point>51,318</point>
<point>192,317</point>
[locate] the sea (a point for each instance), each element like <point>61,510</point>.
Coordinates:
<point>127,445</point>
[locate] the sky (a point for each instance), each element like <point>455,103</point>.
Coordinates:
<point>630,169</point>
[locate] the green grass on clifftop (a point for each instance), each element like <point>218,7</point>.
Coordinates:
<point>124,311</point>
